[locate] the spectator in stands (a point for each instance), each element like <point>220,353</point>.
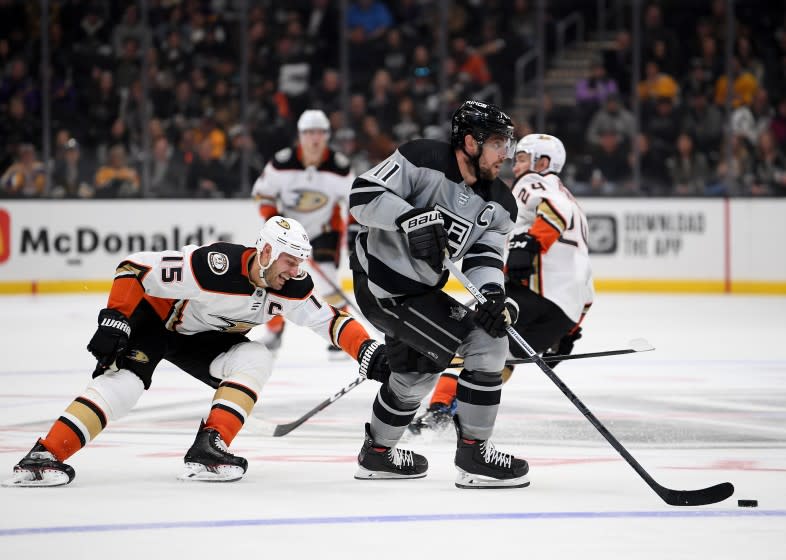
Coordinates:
<point>240,142</point>
<point>656,84</point>
<point>377,142</point>
<point>778,124</point>
<point>206,176</point>
<point>744,85</point>
<point>371,17</point>
<point>18,83</point>
<point>395,59</point>
<point>592,91</point>
<point>208,129</point>
<point>129,28</point>
<point>705,122</point>
<point>26,178</point>
<point>710,60</point>
<point>612,116</point>
<point>381,100</point>
<point>407,128</point>
<point>654,30</point>
<point>71,177</point>
<point>470,62</point>
<point>521,21</point>
<point>662,127</point>
<point>16,128</point>
<point>654,178</point>
<point>116,179</point>
<point>752,121</point>
<point>730,174</point>
<point>749,62</point>
<point>697,79</point>
<point>618,62</point>
<point>167,173</point>
<point>103,106</point>
<point>688,169</point>
<point>608,170</point>
<point>129,67</point>
<point>769,168</point>
<point>327,95</point>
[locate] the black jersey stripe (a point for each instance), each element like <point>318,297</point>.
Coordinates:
<point>96,410</point>
<point>474,262</point>
<point>361,198</point>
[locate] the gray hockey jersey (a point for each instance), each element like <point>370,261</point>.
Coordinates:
<point>421,174</point>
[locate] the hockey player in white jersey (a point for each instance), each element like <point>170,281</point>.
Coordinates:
<point>426,198</point>
<point>310,183</point>
<point>549,274</point>
<point>193,308</point>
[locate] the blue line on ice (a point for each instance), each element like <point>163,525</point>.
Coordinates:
<point>415,518</point>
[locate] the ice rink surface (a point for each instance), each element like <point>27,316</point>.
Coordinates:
<point>707,406</point>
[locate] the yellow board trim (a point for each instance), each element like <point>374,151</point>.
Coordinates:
<point>601,285</point>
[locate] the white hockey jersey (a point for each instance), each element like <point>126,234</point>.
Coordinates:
<point>548,211</point>
<point>207,288</point>
<point>311,195</point>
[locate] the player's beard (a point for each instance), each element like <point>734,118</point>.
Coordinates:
<point>488,172</point>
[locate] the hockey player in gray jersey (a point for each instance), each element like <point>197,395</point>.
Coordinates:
<point>426,198</point>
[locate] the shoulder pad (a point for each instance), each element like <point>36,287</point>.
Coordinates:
<point>432,154</point>
<point>218,267</point>
<point>341,160</point>
<point>282,156</point>
<point>500,193</point>
<point>295,288</point>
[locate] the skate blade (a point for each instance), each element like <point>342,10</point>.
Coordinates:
<point>27,479</point>
<point>365,474</point>
<point>220,473</point>
<point>472,481</point>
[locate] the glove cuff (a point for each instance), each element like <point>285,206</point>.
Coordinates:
<point>365,354</point>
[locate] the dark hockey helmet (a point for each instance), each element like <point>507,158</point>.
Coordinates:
<point>481,120</point>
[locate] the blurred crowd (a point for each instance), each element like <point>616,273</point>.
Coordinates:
<point>188,56</point>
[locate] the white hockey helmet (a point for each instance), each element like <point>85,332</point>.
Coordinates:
<point>539,145</point>
<point>284,235</point>
<point>313,119</point>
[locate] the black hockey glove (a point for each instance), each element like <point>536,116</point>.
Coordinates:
<point>564,347</point>
<point>523,249</point>
<point>373,361</point>
<point>497,313</point>
<point>111,338</point>
<point>426,234</point>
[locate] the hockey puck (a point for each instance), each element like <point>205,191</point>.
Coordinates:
<point>747,503</point>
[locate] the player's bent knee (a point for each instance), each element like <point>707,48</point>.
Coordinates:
<point>249,363</point>
<point>115,392</point>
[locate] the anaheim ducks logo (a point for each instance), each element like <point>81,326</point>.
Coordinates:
<point>284,224</point>
<point>308,201</point>
<point>234,325</point>
<point>138,356</point>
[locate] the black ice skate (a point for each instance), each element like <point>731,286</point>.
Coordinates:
<point>40,468</point>
<point>436,418</point>
<point>480,465</point>
<point>379,462</point>
<point>209,461</point>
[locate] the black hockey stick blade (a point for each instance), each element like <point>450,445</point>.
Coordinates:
<point>703,497</point>
<point>284,429</point>
<point>635,345</point>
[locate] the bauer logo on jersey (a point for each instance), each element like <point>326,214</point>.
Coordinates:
<point>218,262</point>
<point>457,229</point>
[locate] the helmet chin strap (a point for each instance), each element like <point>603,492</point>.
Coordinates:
<point>262,269</point>
<point>475,160</point>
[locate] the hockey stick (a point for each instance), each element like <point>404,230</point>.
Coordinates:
<point>636,345</point>
<point>284,429</point>
<point>704,496</point>
<point>336,288</point>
